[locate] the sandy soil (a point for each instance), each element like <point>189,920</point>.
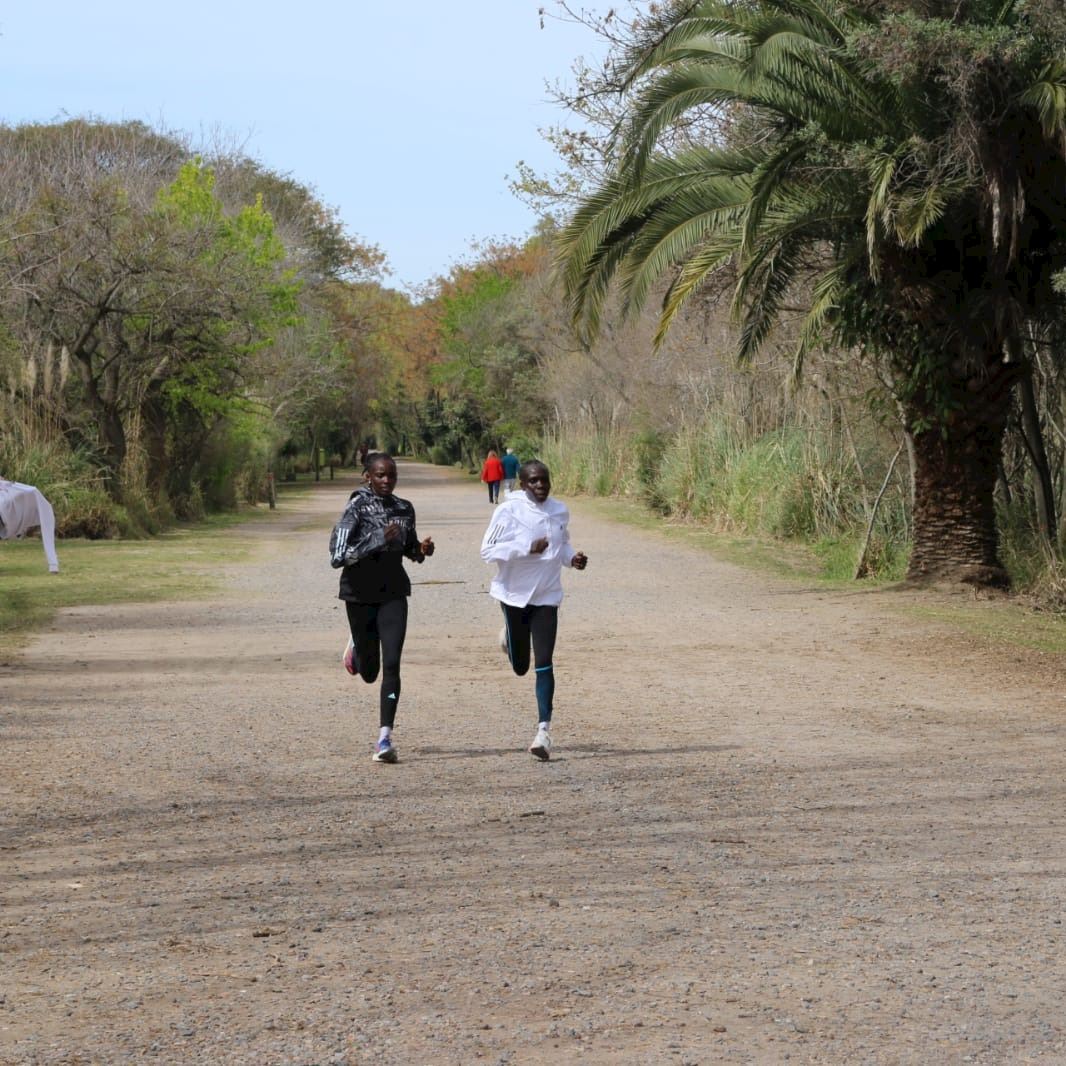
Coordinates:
<point>781,825</point>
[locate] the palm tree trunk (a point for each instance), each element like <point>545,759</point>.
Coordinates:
<point>955,536</point>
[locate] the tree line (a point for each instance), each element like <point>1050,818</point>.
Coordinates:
<point>171,321</point>
<point>860,201</point>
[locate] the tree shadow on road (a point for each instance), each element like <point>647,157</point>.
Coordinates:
<point>601,751</point>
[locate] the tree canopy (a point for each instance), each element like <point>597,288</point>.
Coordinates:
<point>899,166</point>
<point>156,304</point>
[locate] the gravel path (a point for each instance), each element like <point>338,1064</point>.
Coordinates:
<point>782,824</point>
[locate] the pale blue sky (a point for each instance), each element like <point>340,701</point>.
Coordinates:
<point>407,117</point>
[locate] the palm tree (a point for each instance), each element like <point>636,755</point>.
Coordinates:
<point>909,169</point>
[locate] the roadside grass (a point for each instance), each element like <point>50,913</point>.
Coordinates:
<point>1011,622</point>
<point>181,564</point>
<point>772,557</point>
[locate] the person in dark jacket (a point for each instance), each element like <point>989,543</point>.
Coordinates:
<point>368,545</point>
<point>510,463</point>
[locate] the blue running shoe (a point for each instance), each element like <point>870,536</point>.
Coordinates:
<point>385,751</point>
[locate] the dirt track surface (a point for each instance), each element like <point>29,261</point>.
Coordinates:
<point>781,825</point>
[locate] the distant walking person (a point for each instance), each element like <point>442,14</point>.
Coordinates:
<point>492,475</point>
<point>529,541</point>
<point>368,544</point>
<point>510,464</point>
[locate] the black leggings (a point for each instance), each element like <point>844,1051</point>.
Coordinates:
<point>378,631</point>
<point>536,624</point>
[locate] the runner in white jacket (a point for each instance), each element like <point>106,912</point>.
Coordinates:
<point>529,541</point>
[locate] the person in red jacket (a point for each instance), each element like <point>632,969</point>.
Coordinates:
<point>492,475</point>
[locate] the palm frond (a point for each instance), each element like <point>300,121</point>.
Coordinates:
<point>828,16</point>
<point>586,303</point>
<point>1047,96</point>
<point>668,98</point>
<point>825,301</point>
<point>617,202</point>
<point>764,289</point>
<point>784,57</point>
<point>819,84</point>
<point>920,208</point>
<point>665,177</point>
<point>880,169</point>
<point>811,212</point>
<point>679,30</point>
<point>715,252</point>
<point>765,27</point>
<point>720,49</point>
<point>672,234</point>
<point>793,222</point>
<point>591,247</point>
<point>767,183</point>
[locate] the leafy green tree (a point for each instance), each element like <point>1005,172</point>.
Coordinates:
<point>157,295</point>
<point>901,163</point>
<point>223,297</point>
<point>181,317</point>
<point>487,351</point>
<point>316,244</point>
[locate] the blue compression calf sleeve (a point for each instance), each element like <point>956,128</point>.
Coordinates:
<point>545,692</point>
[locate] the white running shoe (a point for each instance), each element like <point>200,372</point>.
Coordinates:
<point>503,640</point>
<point>541,747</point>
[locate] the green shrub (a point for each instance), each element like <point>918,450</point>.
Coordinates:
<point>792,483</point>
<point>87,511</point>
<point>1035,567</point>
<point>189,507</point>
<point>231,466</point>
<point>1048,585</point>
<point>35,452</point>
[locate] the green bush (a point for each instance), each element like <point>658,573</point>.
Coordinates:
<point>649,447</point>
<point>189,507</point>
<point>85,511</point>
<point>1036,568</point>
<point>770,490</point>
<point>35,452</point>
<point>792,484</point>
<point>231,467</point>
<point>594,465</point>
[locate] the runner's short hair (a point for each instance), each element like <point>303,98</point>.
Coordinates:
<point>373,457</point>
<point>530,464</point>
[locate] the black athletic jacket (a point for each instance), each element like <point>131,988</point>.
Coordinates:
<point>373,569</point>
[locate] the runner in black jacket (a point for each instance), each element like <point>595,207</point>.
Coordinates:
<point>369,543</point>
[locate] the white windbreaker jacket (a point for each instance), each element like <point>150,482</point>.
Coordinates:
<point>521,578</point>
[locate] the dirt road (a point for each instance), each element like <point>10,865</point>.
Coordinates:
<point>781,825</point>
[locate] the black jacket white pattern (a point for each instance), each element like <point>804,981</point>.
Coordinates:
<point>371,567</point>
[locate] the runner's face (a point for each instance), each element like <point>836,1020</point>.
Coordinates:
<point>538,483</point>
<point>381,477</point>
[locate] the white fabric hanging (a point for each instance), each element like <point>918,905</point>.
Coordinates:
<point>22,508</point>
